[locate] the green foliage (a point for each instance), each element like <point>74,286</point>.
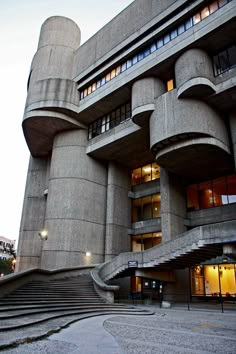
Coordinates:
<point>6,266</point>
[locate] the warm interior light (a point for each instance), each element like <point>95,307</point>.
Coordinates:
<point>88,254</point>
<point>43,235</point>
<point>147,169</point>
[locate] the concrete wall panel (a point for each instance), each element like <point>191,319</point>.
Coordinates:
<point>113,35</point>
<point>33,213</point>
<point>69,240</point>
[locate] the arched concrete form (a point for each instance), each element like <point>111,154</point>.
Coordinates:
<point>76,204</point>
<point>50,86</point>
<point>118,211</point>
<point>189,138</point>
<point>194,74</point>
<point>144,92</point>
<point>40,127</point>
<point>232,122</point>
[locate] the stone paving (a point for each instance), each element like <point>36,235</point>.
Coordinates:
<point>168,331</point>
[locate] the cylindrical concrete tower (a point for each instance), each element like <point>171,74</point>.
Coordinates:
<point>76,205</point>
<point>51,104</point>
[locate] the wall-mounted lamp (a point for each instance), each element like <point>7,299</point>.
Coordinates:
<point>88,254</point>
<point>43,235</point>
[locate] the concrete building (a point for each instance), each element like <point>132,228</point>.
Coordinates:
<point>7,247</point>
<point>132,138</point>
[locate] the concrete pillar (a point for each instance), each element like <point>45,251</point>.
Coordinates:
<point>232,122</point>
<point>173,205</point>
<point>118,212</point>
<point>33,215</point>
<point>75,216</point>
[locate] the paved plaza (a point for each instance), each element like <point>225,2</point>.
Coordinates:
<point>167,331</point>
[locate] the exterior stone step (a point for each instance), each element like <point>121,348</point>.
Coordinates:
<point>39,309</point>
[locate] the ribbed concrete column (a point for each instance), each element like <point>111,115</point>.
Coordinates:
<point>232,121</point>
<point>75,216</point>
<point>173,207</point>
<point>33,214</point>
<point>118,212</point>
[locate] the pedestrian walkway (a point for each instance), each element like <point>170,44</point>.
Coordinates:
<point>167,331</point>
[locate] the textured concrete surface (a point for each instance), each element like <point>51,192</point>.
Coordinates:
<point>168,331</point>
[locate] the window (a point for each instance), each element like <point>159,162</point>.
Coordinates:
<point>173,34</point>
<point>225,60</point>
<point>146,52</point>
<point>231,187</point>
<point>213,7</point>
<point>232,56</point>
<point>153,47</point>
<point>146,208</point>
<point>129,63</point>
<point>113,74</point>
<point>196,18</point>
<point>140,56</point>
<point>160,43</point>
<point>118,70</point>
<point>166,38</point>
<point>217,192</point>
<point>181,29</point>
<point>222,2</point>
<point>189,23</point>
<point>170,85</point>
<point>123,67</point>
<point>135,59</point>
<point>143,242</point>
<point>205,13</point>
<point>146,173</point>
<point>109,121</point>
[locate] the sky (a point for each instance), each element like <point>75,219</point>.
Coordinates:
<point>20,23</point>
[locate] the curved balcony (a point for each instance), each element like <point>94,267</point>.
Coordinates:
<point>40,127</point>
<point>189,138</point>
<point>144,92</point>
<point>194,74</point>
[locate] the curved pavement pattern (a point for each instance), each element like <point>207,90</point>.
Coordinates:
<point>168,331</point>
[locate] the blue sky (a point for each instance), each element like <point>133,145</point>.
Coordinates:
<point>20,26</point>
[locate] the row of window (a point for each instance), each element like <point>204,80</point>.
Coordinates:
<point>213,193</point>
<point>109,121</point>
<point>224,60</point>
<point>146,208</point>
<point>145,173</point>
<point>145,241</point>
<point>157,44</point>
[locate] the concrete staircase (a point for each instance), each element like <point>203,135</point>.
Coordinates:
<point>40,308</point>
<point>196,245</point>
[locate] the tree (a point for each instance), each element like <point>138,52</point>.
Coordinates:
<point>6,266</point>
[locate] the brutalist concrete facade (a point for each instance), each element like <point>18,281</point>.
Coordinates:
<point>79,188</point>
